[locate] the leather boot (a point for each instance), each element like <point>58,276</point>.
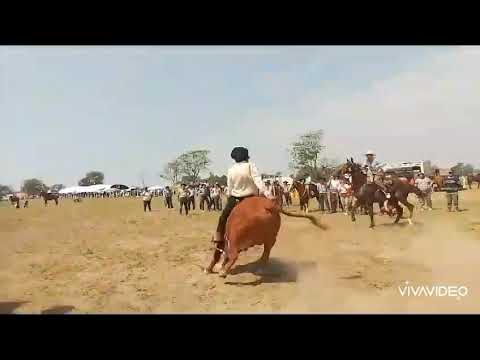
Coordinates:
<point>219,237</point>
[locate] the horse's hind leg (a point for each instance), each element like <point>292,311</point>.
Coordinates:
<point>399,213</point>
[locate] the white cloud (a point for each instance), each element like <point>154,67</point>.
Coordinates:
<point>429,111</point>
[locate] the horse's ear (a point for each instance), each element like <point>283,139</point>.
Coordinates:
<point>351,159</point>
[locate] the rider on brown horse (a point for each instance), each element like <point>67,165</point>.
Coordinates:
<point>243,180</point>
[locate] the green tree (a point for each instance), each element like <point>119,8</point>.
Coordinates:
<point>192,163</point>
<point>33,186</point>
<point>171,172</point>
<point>212,179</point>
<point>306,151</point>
<point>5,190</point>
<point>462,169</point>
<point>92,178</point>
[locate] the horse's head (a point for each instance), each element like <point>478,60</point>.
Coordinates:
<point>351,167</point>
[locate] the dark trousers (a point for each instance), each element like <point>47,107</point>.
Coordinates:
<point>169,203</point>
<point>191,203</point>
<point>184,204</point>
<point>222,221</point>
<point>452,197</point>
<point>217,203</point>
<point>204,199</point>
<point>147,203</point>
<point>333,201</point>
<point>288,198</point>
<point>323,202</point>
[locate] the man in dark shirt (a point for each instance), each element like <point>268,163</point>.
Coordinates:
<point>451,184</point>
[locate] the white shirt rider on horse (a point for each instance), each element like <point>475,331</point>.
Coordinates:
<point>373,170</point>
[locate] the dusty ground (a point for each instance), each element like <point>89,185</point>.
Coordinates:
<point>107,256</point>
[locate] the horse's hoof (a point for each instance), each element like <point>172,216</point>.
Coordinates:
<point>207,271</point>
<point>222,274</point>
<point>410,222</point>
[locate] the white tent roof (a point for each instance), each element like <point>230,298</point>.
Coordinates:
<point>85,189</point>
<point>155,187</point>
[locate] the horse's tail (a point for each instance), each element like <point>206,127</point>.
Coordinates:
<point>312,219</point>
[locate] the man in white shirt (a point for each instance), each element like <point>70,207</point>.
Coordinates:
<point>333,188</point>
<point>286,194</point>
<point>243,180</point>
<point>425,185</point>
<point>322,195</point>
<point>147,200</point>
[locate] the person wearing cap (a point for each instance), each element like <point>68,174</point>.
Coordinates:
<point>147,200</point>
<point>191,197</point>
<point>323,202</point>
<point>203,197</point>
<point>215,194</point>
<point>269,191</point>
<point>333,187</point>
<point>243,181</point>
<point>425,185</point>
<point>451,185</point>
<point>286,193</point>
<point>167,193</point>
<point>374,173</point>
<point>183,195</point>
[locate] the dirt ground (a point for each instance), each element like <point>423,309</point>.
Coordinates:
<point>108,256</point>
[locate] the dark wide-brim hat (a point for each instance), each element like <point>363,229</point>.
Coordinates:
<point>240,154</point>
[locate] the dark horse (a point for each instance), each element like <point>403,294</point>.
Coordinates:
<point>15,200</point>
<point>366,194</point>
<point>49,196</point>
<point>305,193</point>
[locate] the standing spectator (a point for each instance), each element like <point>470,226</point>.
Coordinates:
<point>333,188</point>
<point>183,198</point>
<point>451,185</point>
<point>322,195</point>
<point>268,190</point>
<point>286,193</point>
<point>202,197</point>
<point>168,197</point>
<point>425,185</point>
<point>208,196</point>
<point>191,197</point>
<point>147,200</point>
<point>215,193</point>
<point>346,195</point>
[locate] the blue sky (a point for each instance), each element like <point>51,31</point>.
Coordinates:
<point>128,110</point>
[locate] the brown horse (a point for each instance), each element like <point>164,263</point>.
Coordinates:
<point>254,221</point>
<point>305,193</point>
<point>366,194</point>
<point>49,196</point>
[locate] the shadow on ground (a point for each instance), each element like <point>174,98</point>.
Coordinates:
<point>58,310</point>
<point>8,307</point>
<point>277,271</point>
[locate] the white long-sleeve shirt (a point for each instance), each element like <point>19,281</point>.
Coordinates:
<point>243,180</point>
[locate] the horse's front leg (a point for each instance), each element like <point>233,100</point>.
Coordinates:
<point>370,212</point>
<point>399,212</point>
<point>410,208</point>
<point>353,209</point>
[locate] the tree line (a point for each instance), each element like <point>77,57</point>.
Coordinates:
<point>305,160</point>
